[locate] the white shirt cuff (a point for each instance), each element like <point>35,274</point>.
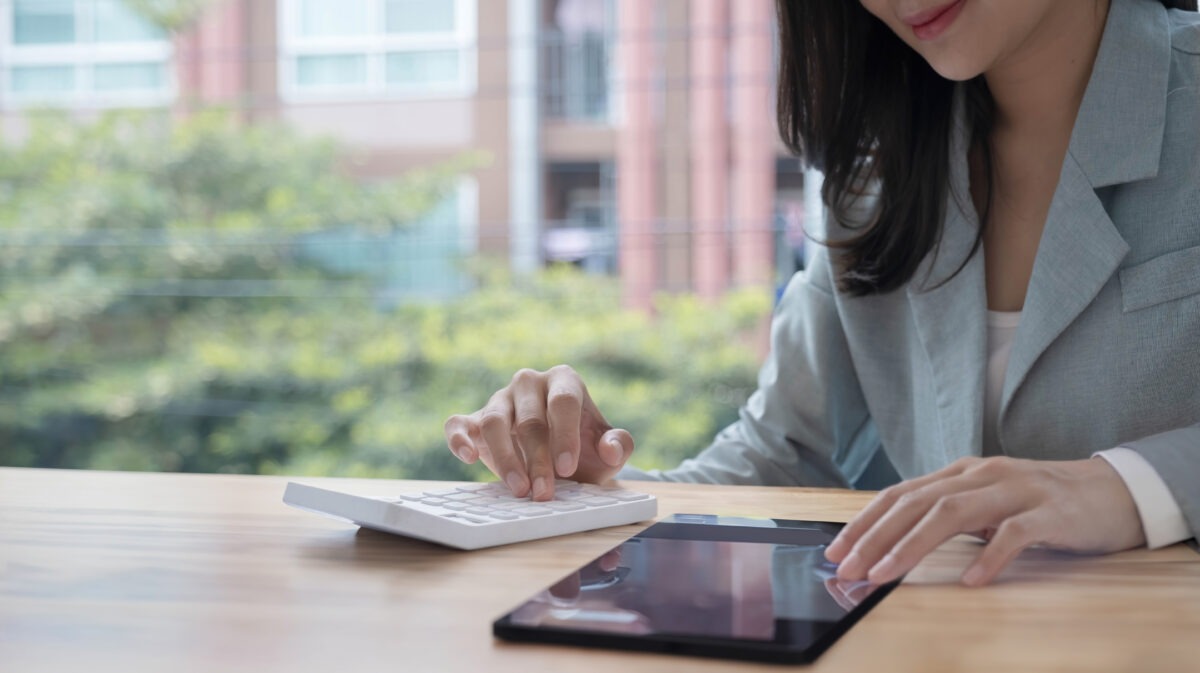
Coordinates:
<point>1162,519</point>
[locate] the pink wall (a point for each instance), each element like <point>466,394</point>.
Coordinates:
<point>732,145</point>
<point>709,147</point>
<point>637,165</point>
<point>212,59</point>
<point>753,143</point>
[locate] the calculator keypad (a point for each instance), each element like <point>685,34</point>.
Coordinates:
<point>493,502</point>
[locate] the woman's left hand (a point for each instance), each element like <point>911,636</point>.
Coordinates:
<point>1079,505</point>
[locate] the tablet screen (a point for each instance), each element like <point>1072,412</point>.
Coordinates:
<point>735,585</point>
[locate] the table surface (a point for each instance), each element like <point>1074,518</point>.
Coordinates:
<point>103,571</point>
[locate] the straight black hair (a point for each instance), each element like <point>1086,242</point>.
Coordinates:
<point>859,104</point>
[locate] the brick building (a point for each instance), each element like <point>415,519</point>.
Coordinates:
<point>627,136</point>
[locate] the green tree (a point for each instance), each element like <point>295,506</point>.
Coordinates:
<point>161,309</point>
<point>171,16</point>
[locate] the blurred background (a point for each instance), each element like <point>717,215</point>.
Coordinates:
<point>292,236</point>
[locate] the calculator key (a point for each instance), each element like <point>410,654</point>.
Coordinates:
<point>598,500</point>
<point>628,496</point>
<point>478,510</point>
<point>430,500</point>
<point>441,493</point>
<point>503,515</point>
<point>565,505</point>
<point>533,511</point>
<point>455,506</point>
<point>411,497</point>
<point>465,517</point>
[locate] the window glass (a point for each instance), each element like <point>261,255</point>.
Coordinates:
<point>379,47</point>
<point>42,79</point>
<point>115,22</point>
<point>423,67</point>
<point>420,16</point>
<point>330,18</point>
<point>129,77</point>
<point>43,21</point>
<point>65,50</point>
<point>336,70</point>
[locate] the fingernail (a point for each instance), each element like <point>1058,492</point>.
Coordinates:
<point>973,576</point>
<point>462,453</point>
<point>882,572</point>
<point>849,568</point>
<point>618,451</point>
<point>564,464</point>
<point>516,482</point>
<point>539,487</point>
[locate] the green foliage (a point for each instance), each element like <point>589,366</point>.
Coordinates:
<point>156,313</point>
<point>171,16</point>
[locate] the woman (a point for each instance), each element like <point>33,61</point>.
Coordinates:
<point>1009,307</point>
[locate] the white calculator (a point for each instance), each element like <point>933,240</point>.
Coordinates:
<point>473,516</point>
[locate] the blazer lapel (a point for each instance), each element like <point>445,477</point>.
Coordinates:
<point>1117,139</point>
<point>1079,251</point>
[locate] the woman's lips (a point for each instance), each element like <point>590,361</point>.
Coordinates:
<point>931,23</point>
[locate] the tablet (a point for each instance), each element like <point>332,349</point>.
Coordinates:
<point>704,585</point>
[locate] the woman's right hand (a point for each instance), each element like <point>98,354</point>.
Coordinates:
<point>540,425</point>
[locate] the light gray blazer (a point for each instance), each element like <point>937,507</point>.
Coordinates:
<point>1108,351</point>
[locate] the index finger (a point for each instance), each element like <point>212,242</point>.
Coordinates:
<point>881,504</point>
<point>458,438</point>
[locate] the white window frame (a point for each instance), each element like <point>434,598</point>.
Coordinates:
<point>375,46</point>
<point>468,215</point>
<point>82,56</point>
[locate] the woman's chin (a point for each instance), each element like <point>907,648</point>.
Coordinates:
<point>956,70</point>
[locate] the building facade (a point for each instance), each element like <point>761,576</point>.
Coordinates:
<point>629,137</point>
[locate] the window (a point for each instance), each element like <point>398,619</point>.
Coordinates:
<point>376,48</point>
<point>84,53</point>
<point>578,54</point>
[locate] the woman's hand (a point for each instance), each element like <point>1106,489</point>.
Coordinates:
<point>539,425</point>
<point>1080,505</point>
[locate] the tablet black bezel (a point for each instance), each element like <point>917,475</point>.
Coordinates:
<point>775,651</point>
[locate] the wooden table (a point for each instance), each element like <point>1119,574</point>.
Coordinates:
<point>168,572</point>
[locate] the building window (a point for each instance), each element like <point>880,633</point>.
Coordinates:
<point>578,51</point>
<point>581,224</point>
<point>376,48</point>
<point>82,53</point>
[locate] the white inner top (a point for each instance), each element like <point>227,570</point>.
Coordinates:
<point>1001,331</point>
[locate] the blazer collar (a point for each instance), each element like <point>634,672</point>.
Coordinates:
<point>1119,129</point>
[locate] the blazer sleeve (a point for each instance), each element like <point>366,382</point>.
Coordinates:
<point>1175,455</point>
<point>807,422</point>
